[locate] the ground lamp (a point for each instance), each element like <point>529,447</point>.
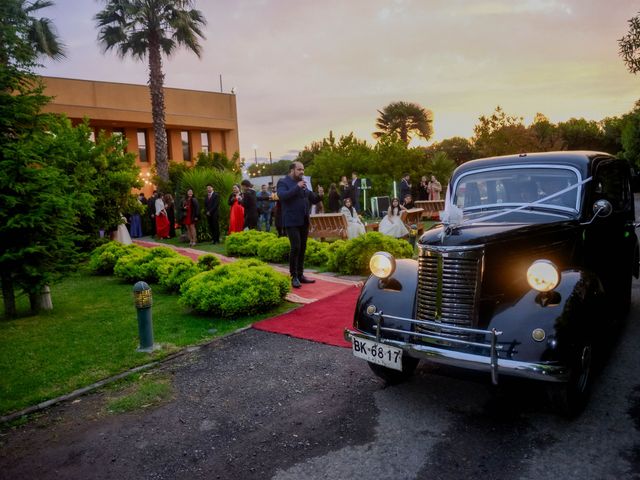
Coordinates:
<point>143,301</point>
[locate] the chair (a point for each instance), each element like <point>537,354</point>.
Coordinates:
<point>328,225</point>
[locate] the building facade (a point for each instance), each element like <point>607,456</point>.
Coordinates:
<point>196,121</point>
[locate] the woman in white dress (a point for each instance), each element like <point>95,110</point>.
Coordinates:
<point>392,224</point>
<point>122,234</point>
<point>355,226</point>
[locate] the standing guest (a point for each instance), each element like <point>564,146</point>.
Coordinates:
<point>296,199</point>
<point>405,186</point>
<point>236,215</point>
<point>434,188</point>
<point>345,188</point>
<point>392,224</point>
<point>264,207</point>
<point>317,208</point>
<point>136,220</point>
<point>334,199</point>
<point>169,206</point>
<point>355,227</point>
<point>423,189</point>
<point>355,191</point>
<point>212,210</point>
<point>151,210</point>
<point>250,204</point>
<point>162,221</point>
<point>191,209</point>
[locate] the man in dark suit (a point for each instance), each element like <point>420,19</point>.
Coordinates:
<point>405,187</point>
<point>355,191</point>
<point>296,198</point>
<point>250,204</point>
<point>211,208</point>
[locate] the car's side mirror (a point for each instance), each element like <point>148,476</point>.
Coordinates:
<point>602,208</point>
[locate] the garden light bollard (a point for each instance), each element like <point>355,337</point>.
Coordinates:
<point>143,301</point>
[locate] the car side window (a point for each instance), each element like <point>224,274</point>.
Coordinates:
<point>611,183</point>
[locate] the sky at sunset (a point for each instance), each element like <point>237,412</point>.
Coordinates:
<point>304,67</point>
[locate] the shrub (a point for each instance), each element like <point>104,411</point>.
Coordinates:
<point>143,264</point>
<point>274,250</point>
<point>175,271</point>
<point>317,252</point>
<point>352,256</point>
<point>207,262</point>
<point>241,288</point>
<point>104,258</point>
<point>245,244</point>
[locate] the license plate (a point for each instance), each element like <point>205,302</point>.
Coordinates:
<point>378,353</point>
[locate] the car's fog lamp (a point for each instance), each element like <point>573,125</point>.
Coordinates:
<point>382,264</point>
<point>543,276</point>
<point>538,334</point>
<point>371,309</point>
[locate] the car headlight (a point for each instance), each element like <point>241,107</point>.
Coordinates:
<point>543,276</point>
<point>382,264</point>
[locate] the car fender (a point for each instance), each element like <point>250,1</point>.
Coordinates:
<point>395,295</point>
<point>571,309</point>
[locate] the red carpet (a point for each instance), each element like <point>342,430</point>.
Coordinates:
<point>321,321</point>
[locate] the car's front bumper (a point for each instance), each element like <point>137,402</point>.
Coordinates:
<point>491,363</point>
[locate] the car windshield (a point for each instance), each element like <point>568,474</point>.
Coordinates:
<point>516,186</point>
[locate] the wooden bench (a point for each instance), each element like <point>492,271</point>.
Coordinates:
<point>432,208</point>
<point>413,216</point>
<point>328,225</point>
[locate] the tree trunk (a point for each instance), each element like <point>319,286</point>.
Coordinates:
<point>8,295</point>
<point>156,89</point>
<point>41,300</point>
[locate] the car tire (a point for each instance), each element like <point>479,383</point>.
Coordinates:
<point>393,377</point>
<point>570,398</point>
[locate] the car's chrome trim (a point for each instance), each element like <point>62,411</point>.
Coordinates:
<point>487,363</point>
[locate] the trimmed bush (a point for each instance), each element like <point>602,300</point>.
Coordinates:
<point>143,264</point>
<point>207,262</point>
<point>175,271</point>
<point>274,250</point>
<point>245,287</point>
<point>103,259</point>
<point>352,256</point>
<point>245,244</point>
<point>317,252</point>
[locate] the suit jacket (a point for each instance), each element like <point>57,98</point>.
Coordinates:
<point>295,202</point>
<point>405,189</point>
<point>250,204</point>
<point>355,190</point>
<point>211,205</point>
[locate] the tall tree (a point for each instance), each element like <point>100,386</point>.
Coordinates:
<point>630,45</point>
<point>405,119</point>
<point>149,28</point>
<point>23,36</point>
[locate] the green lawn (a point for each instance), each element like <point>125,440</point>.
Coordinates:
<point>92,333</point>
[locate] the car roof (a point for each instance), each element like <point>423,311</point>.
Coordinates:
<point>581,160</point>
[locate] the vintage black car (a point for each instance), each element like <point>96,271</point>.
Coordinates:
<point>529,270</point>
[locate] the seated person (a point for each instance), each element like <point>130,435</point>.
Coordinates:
<point>392,224</point>
<point>407,203</point>
<point>554,185</point>
<point>355,227</point>
<point>528,192</point>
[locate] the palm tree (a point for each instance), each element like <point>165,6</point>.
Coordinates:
<point>23,36</point>
<point>149,28</point>
<point>405,118</point>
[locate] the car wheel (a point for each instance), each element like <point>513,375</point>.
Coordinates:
<point>570,398</point>
<point>393,377</point>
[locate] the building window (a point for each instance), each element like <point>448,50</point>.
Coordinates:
<point>92,136</point>
<point>142,145</point>
<point>204,139</point>
<point>186,147</point>
<point>118,132</point>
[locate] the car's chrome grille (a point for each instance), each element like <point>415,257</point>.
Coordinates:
<point>448,287</point>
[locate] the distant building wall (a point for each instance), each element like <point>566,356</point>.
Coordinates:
<point>193,118</point>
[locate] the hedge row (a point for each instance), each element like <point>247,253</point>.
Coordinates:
<point>347,257</point>
<point>243,288</point>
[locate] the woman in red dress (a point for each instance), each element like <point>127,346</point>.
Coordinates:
<point>191,216</point>
<point>236,219</point>
<point>162,222</point>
